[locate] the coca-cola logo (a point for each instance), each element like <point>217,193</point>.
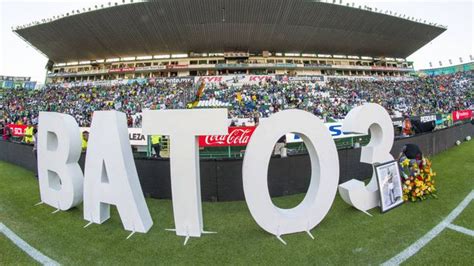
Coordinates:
<point>238,136</point>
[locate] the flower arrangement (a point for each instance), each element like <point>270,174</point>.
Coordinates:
<point>418,179</point>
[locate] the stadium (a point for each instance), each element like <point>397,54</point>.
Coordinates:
<point>230,37</point>
<point>308,100</point>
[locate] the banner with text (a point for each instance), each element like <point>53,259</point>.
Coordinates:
<point>462,115</point>
<point>17,130</point>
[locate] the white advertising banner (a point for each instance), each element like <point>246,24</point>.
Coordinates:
<point>334,128</point>
<point>134,135</point>
<point>137,138</point>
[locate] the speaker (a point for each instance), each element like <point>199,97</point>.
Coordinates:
<point>420,127</point>
<point>49,65</point>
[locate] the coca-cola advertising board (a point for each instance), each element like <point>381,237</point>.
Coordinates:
<point>462,115</point>
<point>238,136</point>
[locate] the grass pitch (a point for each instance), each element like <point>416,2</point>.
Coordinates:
<point>345,236</point>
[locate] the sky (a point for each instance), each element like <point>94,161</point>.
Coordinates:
<point>17,58</point>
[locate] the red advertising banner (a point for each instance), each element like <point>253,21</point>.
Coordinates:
<point>177,66</point>
<point>237,136</point>
<point>462,115</point>
<point>120,70</point>
<point>17,130</point>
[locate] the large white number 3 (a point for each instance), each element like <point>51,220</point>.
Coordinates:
<point>374,118</point>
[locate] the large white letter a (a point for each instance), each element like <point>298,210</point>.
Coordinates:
<point>111,176</point>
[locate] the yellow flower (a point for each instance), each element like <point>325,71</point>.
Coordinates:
<point>405,163</point>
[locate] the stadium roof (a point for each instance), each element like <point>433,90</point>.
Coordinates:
<point>181,26</point>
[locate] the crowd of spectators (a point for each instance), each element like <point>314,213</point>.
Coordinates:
<point>23,106</point>
<point>330,101</point>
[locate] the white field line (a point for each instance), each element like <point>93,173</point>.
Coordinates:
<point>31,251</point>
<point>420,243</point>
<point>461,229</point>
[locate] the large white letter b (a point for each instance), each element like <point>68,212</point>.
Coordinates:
<point>59,149</point>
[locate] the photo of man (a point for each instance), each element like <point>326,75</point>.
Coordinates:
<point>390,187</point>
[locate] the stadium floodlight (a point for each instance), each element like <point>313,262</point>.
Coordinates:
<point>179,55</point>
<point>144,57</point>
<point>163,56</point>
<point>130,58</point>
<point>216,54</point>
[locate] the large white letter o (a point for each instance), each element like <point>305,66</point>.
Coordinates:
<point>324,173</point>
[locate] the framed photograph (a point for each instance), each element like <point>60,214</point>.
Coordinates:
<point>390,185</point>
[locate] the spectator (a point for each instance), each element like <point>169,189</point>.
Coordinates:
<point>155,143</point>
<point>407,128</point>
<point>84,140</point>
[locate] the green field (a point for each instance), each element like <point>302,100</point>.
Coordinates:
<point>345,236</point>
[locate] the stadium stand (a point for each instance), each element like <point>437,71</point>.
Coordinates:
<point>330,101</point>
